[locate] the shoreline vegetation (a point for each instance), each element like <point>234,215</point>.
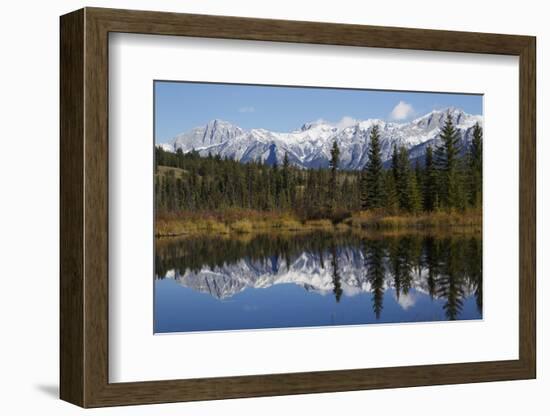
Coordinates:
<point>239,221</point>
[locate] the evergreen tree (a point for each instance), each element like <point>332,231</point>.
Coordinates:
<point>286,181</point>
<point>447,158</point>
<point>374,185</point>
<point>363,189</point>
<point>430,181</point>
<point>179,158</point>
<point>333,165</point>
<point>475,167</point>
<point>414,197</point>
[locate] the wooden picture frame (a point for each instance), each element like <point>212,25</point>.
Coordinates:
<point>84,207</point>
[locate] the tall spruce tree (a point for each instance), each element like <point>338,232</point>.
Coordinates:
<point>286,193</point>
<point>475,167</point>
<point>447,158</point>
<point>333,182</point>
<point>363,188</point>
<point>373,170</point>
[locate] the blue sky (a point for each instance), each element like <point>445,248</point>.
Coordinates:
<point>180,106</point>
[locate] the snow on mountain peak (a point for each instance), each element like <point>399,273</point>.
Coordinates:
<point>436,118</point>
<point>309,147</point>
<point>314,124</point>
<point>344,123</point>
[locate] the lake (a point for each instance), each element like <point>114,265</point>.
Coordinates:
<point>315,279</point>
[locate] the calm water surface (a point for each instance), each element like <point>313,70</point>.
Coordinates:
<point>319,279</point>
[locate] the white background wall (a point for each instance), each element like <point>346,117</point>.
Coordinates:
<point>29,159</point>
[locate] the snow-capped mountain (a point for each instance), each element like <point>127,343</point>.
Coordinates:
<point>309,146</point>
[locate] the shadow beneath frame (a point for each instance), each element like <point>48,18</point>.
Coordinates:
<point>51,390</point>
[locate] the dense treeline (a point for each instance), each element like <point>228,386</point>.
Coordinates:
<point>450,178</point>
<point>213,183</point>
<point>447,267</point>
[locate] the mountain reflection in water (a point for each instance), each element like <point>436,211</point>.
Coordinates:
<point>274,281</point>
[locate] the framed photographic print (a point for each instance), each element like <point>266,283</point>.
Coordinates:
<point>256,207</point>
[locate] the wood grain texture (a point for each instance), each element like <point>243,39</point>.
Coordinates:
<point>96,226</point>
<point>84,207</point>
<point>527,208</point>
<point>71,100</point>
<point>225,27</point>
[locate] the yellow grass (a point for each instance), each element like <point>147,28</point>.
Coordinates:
<point>319,224</point>
<point>439,219</point>
<point>248,221</point>
<point>242,227</point>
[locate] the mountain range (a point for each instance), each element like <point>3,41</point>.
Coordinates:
<point>309,146</point>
